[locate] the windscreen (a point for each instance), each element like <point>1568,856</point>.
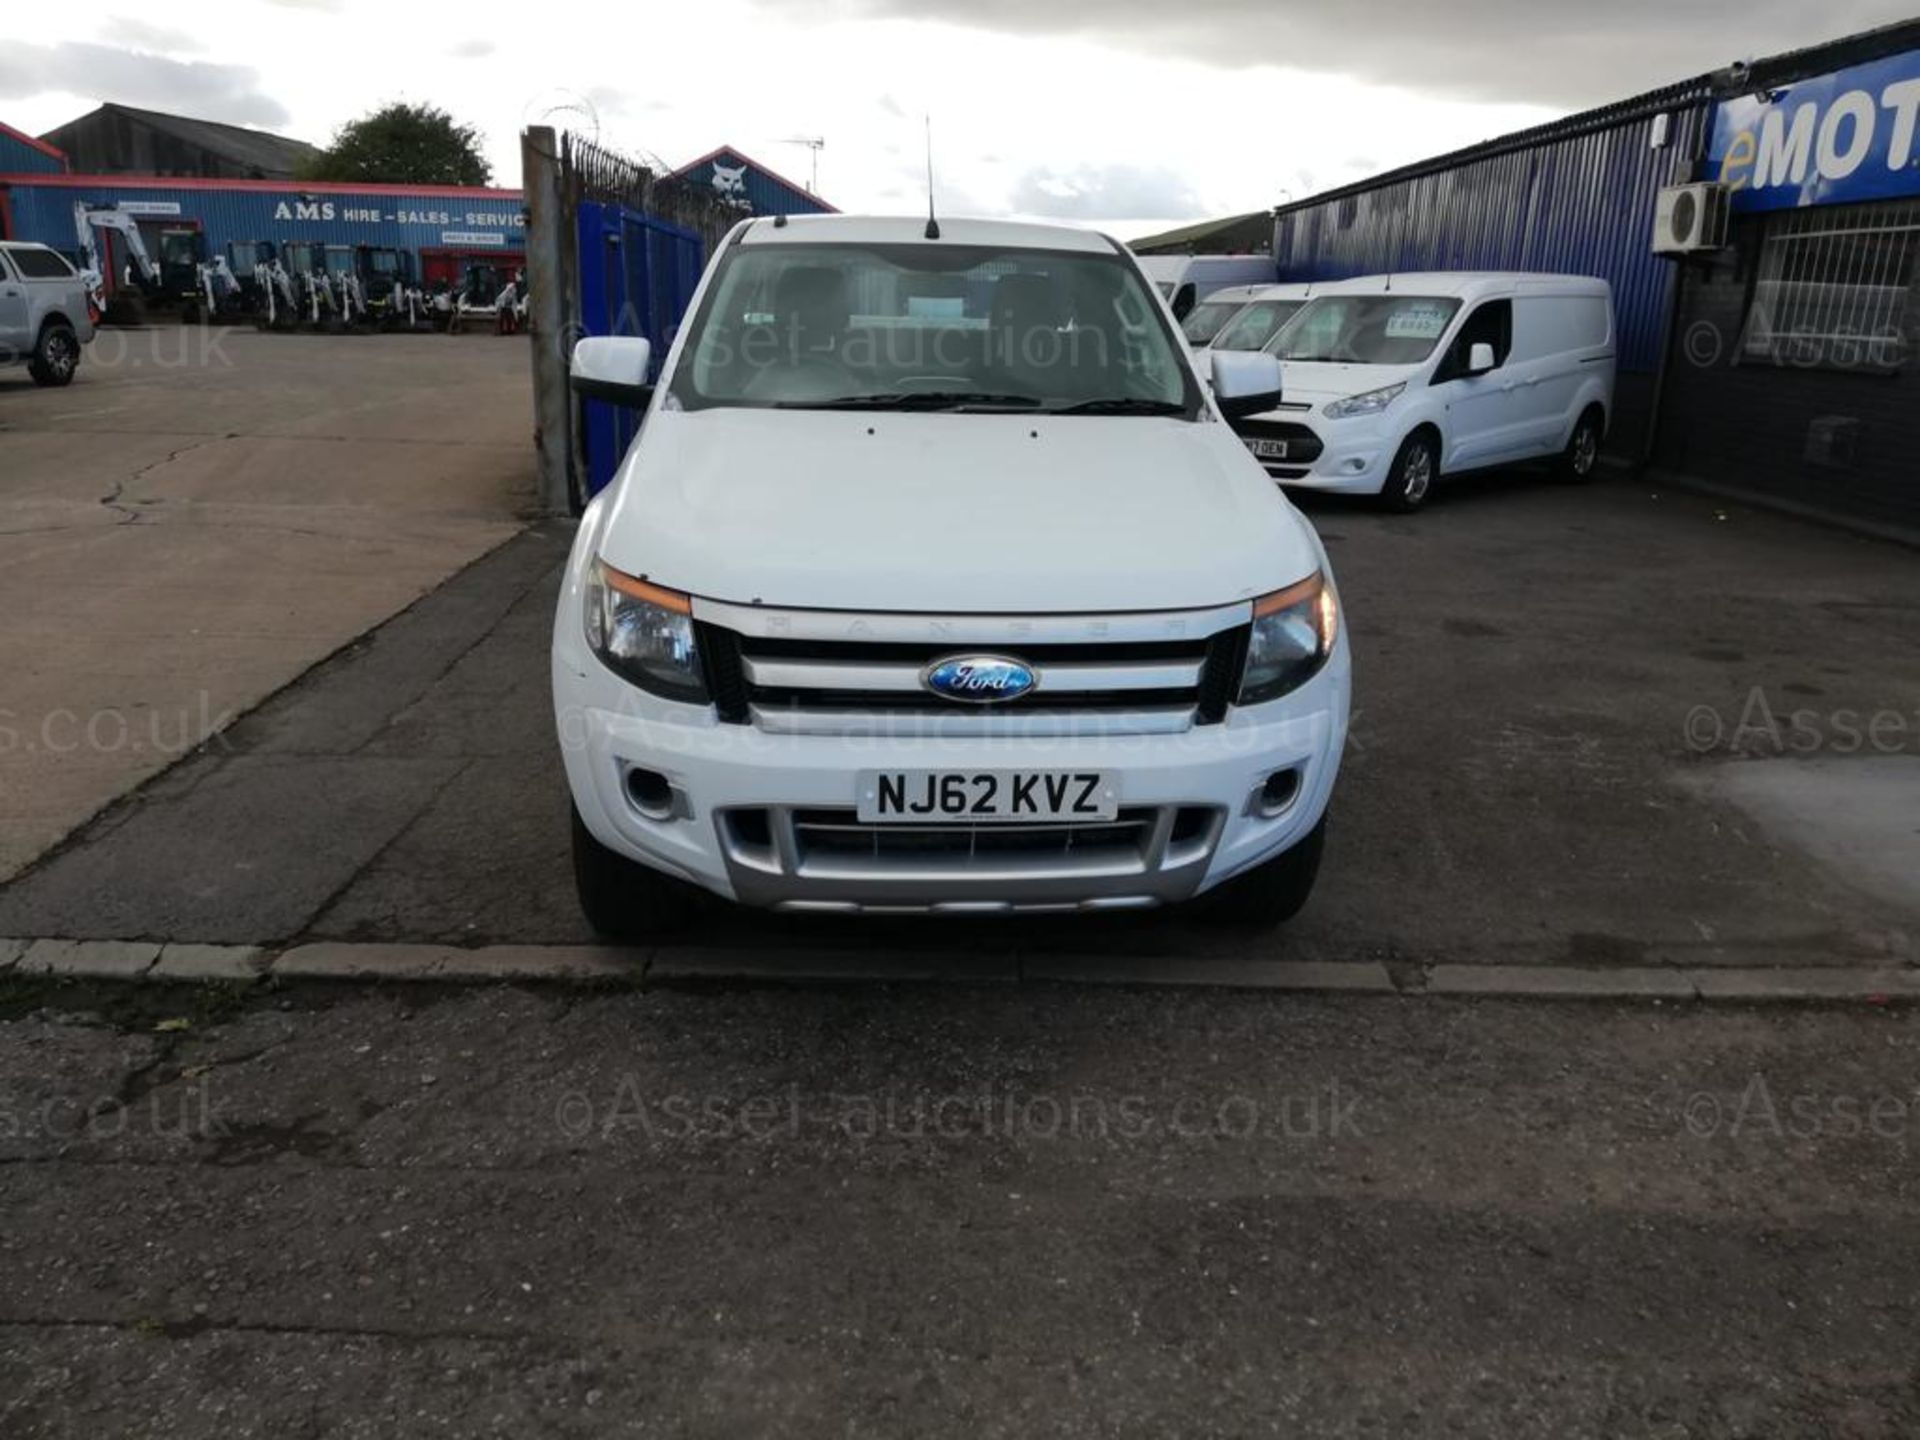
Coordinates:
<point>1256,324</point>
<point>924,326</point>
<point>1203,322</point>
<point>1369,329</point>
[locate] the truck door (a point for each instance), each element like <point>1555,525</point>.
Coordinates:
<point>14,339</point>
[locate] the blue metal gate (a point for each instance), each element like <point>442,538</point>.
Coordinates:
<point>637,276</point>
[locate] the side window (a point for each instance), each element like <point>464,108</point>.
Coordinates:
<point>1491,323</point>
<point>36,264</point>
<point>1183,301</point>
<point>6,271</point>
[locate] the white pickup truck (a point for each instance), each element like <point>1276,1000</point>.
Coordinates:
<point>44,316</point>
<point>936,581</point>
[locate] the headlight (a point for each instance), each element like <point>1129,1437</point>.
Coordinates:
<point>1293,634</point>
<point>1368,402</point>
<point>644,633</point>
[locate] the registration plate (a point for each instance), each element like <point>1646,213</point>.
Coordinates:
<point>1268,449</point>
<point>906,797</point>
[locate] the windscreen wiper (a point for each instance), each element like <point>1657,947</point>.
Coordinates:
<point>1122,405</point>
<point>917,400</point>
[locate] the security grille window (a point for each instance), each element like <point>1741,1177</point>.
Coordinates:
<point>1833,289</point>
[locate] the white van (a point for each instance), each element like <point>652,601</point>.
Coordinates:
<point>1392,381</point>
<point>1258,315</point>
<point>1185,280</point>
<point>965,607</point>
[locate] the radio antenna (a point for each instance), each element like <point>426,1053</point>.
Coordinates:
<point>933,225</point>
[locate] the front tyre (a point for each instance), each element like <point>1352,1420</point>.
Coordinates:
<point>1411,477</point>
<point>56,356</point>
<point>623,900</point>
<point>1577,462</point>
<point>1273,892</point>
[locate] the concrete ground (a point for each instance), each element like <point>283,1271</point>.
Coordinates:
<point>204,514</point>
<point>1567,705</point>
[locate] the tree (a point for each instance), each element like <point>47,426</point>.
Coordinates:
<point>402,144</point>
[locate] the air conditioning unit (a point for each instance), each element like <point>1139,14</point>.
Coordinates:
<point>1690,218</point>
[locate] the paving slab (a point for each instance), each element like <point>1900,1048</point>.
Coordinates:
<point>102,959</point>
<point>334,960</point>
<point>1626,982</point>
<point>1203,970</point>
<point>1805,983</point>
<point>331,961</point>
<point>190,962</point>
<point>805,963</point>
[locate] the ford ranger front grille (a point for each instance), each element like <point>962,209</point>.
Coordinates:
<point>785,684</point>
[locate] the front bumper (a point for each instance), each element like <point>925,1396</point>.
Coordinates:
<point>765,819</point>
<point>1352,456</point>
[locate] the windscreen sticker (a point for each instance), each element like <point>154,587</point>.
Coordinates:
<point>1417,322</point>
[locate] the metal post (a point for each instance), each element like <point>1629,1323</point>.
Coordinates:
<point>549,314</point>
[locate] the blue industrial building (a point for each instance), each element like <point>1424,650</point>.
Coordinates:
<point>1572,197</point>
<point>444,227</point>
<point>21,154</point>
<point>204,211</point>
<point>1770,358</point>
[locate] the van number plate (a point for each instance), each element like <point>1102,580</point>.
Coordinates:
<point>1268,449</point>
<point>906,797</point>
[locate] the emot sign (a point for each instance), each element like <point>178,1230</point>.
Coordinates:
<point>1839,139</point>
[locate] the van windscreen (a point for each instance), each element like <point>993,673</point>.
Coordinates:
<point>1369,329</point>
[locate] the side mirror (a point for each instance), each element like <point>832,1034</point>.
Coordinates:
<point>613,368</point>
<point>1245,382</point>
<point>1480,359</point>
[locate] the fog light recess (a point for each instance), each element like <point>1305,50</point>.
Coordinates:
<point>1279,791</point>
<point>651,793</point>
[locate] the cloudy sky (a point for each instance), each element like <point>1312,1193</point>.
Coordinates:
<point>1124,113</point>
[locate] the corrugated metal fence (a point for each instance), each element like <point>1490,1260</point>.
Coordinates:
<point>637,274</point>
<point>1576,198</point>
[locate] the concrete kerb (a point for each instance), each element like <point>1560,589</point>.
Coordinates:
<point>576,964</point>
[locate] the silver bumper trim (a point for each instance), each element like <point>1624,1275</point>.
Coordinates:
<point>779,870</point>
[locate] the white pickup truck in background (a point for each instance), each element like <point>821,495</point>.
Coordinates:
<point>44,316</point>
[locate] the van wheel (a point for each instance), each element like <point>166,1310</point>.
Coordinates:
<point>1410,479</point>
<point>56,356</point>
<point>622,899</point>
<point>1582,454</point>
<point>1273,892</point>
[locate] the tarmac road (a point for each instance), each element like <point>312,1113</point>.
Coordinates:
<point>946,1210</point>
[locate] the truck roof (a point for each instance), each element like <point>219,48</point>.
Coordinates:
<point>911,230</point>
